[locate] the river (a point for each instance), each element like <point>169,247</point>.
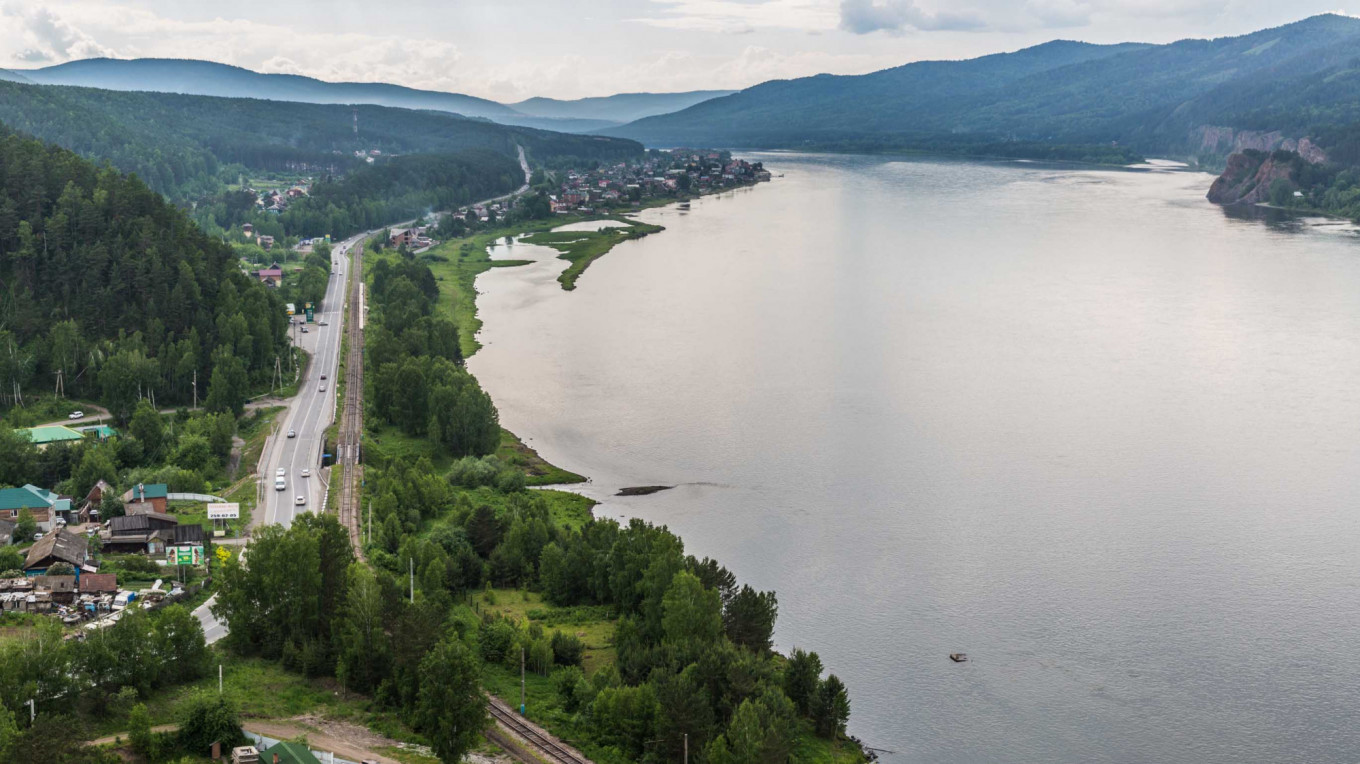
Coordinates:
<point>1078,423</point>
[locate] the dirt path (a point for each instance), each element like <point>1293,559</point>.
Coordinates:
<point>344,739</point>
<point>113,738</point>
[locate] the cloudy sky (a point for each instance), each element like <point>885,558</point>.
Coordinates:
<point>512,49</point>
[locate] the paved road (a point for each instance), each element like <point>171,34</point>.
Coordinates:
<point>312,410</point>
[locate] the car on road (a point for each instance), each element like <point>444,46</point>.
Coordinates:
<point>76,415</point>
<point>280,472</point>
<point>280,484</point>
<point>323,387</point>
<point>322,322</point>
<point>300,500</point>
<point>304,330</point>
<point>292,433</point>
<point>323,375</point>
<point>306,471</point>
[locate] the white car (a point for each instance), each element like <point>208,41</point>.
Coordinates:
<point>292,433</point>
<point>306,471</point>
<point>323,387</point>
<point>322,322</point>
<point>76,415</point>
<point>300,500</point>
<point>281,472</point>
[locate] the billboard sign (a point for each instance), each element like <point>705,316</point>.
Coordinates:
<point>311,312</point>
<point>230,511</point>
<point>184,555</point>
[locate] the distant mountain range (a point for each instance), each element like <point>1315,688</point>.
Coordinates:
<point>1189,97</point>
<point>624,107</point>
<point>213,79</point>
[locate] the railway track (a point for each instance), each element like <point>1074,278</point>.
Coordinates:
<point>352,415</point>
<point>543,744</point>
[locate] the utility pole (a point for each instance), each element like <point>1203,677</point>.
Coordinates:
<point>195,388</point>
<point>32,712</point>
<point>521,681</point>
<point>219,681</point>
<point>686,748</point>
<point>413,580</point>
<point>370,521</point>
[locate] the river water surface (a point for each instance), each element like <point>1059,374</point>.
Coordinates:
<point>1078,423</point>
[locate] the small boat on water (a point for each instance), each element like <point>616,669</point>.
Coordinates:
<point>958,657</point>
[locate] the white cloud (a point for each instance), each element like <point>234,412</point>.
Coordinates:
<point>47,37</point>
<point>737,17</point>
<point>865,16</point>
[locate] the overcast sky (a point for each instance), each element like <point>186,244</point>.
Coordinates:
<point>512,49</point>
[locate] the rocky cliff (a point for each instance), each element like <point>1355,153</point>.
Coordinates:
<point>1249,175</point>
<point>1212,140</point>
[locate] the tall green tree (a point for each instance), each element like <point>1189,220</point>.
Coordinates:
<point>451,710</point>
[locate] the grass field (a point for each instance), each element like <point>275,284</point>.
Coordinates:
<point>581,248</point>
<point>514,451</point>
<point>592,625</point>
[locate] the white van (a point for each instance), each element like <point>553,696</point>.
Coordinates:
<point>280,484</point>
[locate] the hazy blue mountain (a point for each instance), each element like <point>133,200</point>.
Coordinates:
<point>9,76</point>
<point>624,107</point>
<point>214,79</point>
<point>1151,96</point>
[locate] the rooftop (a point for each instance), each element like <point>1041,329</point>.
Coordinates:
<point>51,434</point>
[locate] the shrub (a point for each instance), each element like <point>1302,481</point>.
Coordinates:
<point>567,649</point>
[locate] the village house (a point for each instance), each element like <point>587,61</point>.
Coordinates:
<point>139,534</point>
<point>42,437</point>
<point>267,243</point>
<point>247,230</point>
<point>271,276</point>
<point>42,504</point>
<point>60,545</point>
<point>89,509</point>
<point>158,494</point>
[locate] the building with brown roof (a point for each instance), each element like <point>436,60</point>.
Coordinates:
<point>58,546</point>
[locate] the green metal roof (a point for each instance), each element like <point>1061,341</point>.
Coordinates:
<point>289,753</point>
<point>144,491</point>
<point>29,496</point>
<point>52,434</point>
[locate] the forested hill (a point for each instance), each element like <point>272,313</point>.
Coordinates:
<point>105,282</point>
<point>190,146</point>
<point>210,78</point>
<point>1153,98</point>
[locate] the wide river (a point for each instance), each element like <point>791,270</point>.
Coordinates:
<point>1078,423</point>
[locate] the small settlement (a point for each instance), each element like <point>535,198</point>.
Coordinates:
<point>72,539</point>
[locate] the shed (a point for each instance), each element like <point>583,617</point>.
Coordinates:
<point>43,437</point>
<point>99,583</point>
<point>189,535</point>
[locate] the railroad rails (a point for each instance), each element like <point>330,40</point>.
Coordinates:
<point>543,744</point>
<point>352,415</point>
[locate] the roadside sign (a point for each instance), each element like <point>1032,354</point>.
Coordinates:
<point>231,511</point>
<point>184,555</point>
<point>310,312</point>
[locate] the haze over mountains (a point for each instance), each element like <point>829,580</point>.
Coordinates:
<point>1153,98</point>
<point>213,79</point>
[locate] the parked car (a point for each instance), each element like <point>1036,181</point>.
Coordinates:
<point>76,415</point>
<point>304,330</point>
<point>292,433</point>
